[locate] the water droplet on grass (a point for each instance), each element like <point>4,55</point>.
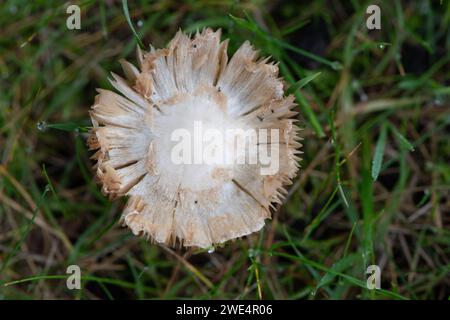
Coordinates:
<point>439,100</point>
<point>336,65</point>
<point>140,23</point>
<point>41,125</point>
<point>211,250</point>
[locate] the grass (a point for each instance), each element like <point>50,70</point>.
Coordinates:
<point>374,187</point>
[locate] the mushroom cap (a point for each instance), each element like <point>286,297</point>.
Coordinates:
<point>192,82</point>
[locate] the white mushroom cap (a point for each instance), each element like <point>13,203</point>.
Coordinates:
<point>192,81</point>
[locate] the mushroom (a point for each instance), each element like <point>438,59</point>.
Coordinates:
<point>192,81</point>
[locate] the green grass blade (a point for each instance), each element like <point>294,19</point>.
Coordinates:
<point>126,12</point>
<point>379,152</point>
<point>404,143</point>
<point>303,82</point>
<point>25,232</point>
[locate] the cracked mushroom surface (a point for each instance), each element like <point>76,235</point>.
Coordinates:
<point>192,80</point>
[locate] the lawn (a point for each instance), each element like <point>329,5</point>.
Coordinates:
<point>374,182</point>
